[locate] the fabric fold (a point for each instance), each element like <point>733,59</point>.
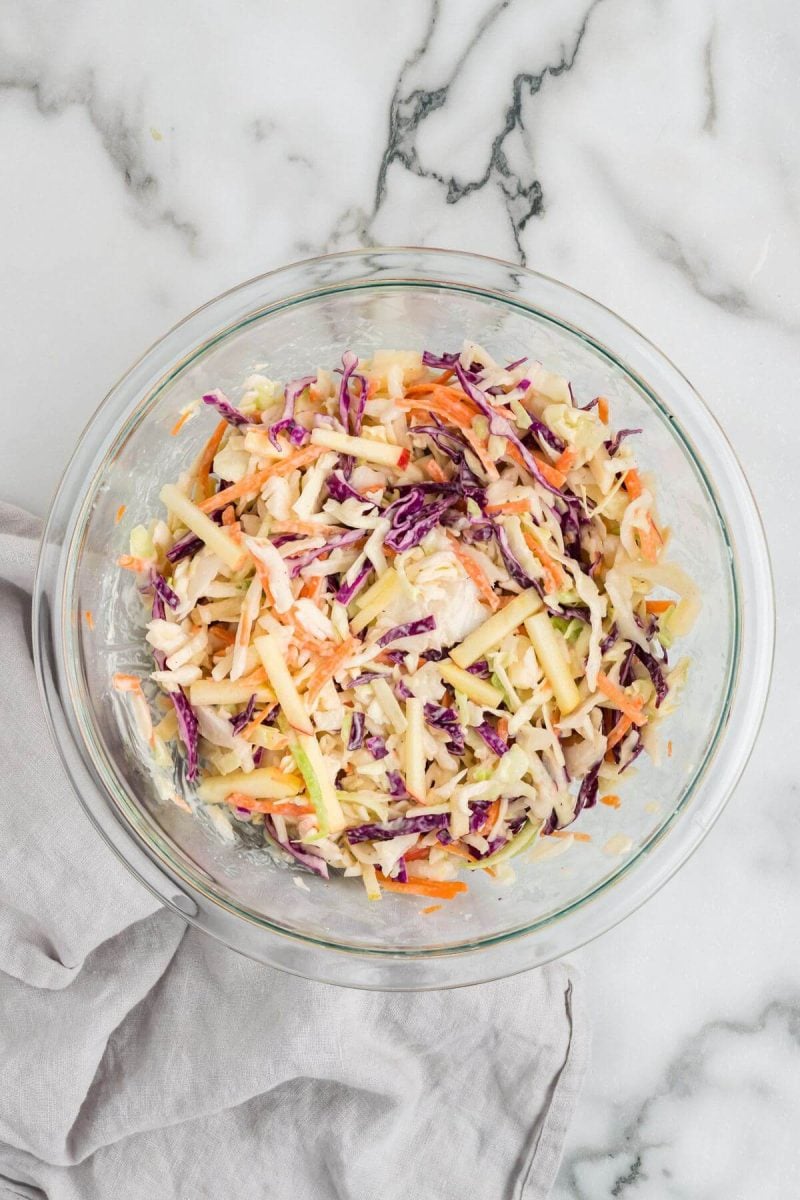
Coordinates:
<point>143,1060</point>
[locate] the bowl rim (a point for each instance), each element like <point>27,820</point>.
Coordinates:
<point>53,672</point>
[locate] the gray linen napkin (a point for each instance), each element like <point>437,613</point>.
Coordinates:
<point>140,1060</point>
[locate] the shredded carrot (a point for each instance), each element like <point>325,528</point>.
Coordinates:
<point>502,728</point>
<point>206,459</point>
<point>669,749</point>
<point>633,483</point>
<point>307,528</point>
<point>555,478</point>
<point>278,808</point>
<point>416,852</point>
<point>459,851</point>
<point>371,488</point>
<point>329,666</point>
<point>126,683</point>
<point>432,908</point>
<point>603,410</point>
<point>129,563</point>
<point>445,376</point>
<point>120,513</point>
<point>626,704</point>
<point>313,588</point>
<point>555,579</point>
<point>510,506</point>
<point>446,402</point>
<point>566,461</point>
<point>650,541</point>
<point>481,452</point>
<point>435,472</point>
<point>582,837</point>
<point>437,889</point>
<point>255,482</point>
<point>567,833</point>
<point>257,720</point>
<point>179,424</point>
<point>475,572</point>
<point>229,515</point>
<point>618,732</point>
<point>491,815</point>
<point>256,678</point>
<point>659,606</point>
<point>89,617</point>
<point>224,634</point>
<point>611,800</point>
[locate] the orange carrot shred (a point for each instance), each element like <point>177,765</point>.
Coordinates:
<point>659,606</point>
<point>618,732</point>
<point>179,424</point>
<point>120,513</point>
<point>255,482</point>
<point>626,704</point>
<point>432,908</point>
<point>89,617</point>
<point>416,852</point>
<point>435,472</point>
<point>603,410</point>
<point>475,572</point>
<point>669,749</point>
<point>278,808</point>
<point>129,563</point>
<point>611,800</point>
<point>206,459</point>
<point>510,506</point>
<point>554,572</point>
<point>126,683</point>
<point>435,888</point>
<point>566,461</point>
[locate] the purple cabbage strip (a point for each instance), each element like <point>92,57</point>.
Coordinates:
<point>351,418</point>
<point>480,669</point>
<point>356,738</point>
<point>550,824</point>
<point>163,589</point>
<point>225,409</point>
<point>501,427</point>
<point>159,613</point>
<point>397,785</point>
<point>187,728</point>
<point>653,668</point>
<point>184,548</point>
<point>312,861</point>
<point>585,407</point>
<point>348,590</point>
<point>401,874</point>
<point>512,563</point>
<point>478,815</point>
<point>610,638</point>
<point>410,629</point>
<point>626,670</point>
<point>291,395</point>
<point>412,520</point>
<point>546,435</point>
<point>439,362</point>
<point>614,444</point>
<point>395,656</point>
<point>238,723</point>
<point>434,655</point>
<point>376,746</point>
<point>403,691</point>
<point>258,754</point>
<point>366,677</point>
<point>444,837</point>
<point>637,750</point>
<point>424,823</point>
<point>446,719</point>
<point>587,795</point>
<point>492,739</point>
<point>300,561</point>
<point>339,489</point>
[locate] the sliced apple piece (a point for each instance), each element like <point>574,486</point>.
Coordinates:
<point>499,625</point>
<point>202,526</point>
<point>264,783</point>
<point>274,663</point>
<point>551,650</point>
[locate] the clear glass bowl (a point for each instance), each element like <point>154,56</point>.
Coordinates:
<point>288,322</point>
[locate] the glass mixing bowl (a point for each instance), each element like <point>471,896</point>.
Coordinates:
<point>288,322</point>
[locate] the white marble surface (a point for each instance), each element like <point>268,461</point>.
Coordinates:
<point>645,152</point>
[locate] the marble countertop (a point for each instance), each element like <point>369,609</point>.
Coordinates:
<point>643,152</point>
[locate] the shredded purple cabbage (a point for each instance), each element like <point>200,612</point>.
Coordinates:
<point>340,490</point>
<point>312,861</point>
<point>410,629</point>
<point>492,738</point>
<point>637,750</point>
<point>187,728</point>
<point>401,874</point>
<point>185,547</point>
<point>163,589</point>
<point>376,746</point>
<point>403,691</point>
<point>446,719</point>
<point>424,823</point>
<point>291,394</point>
<point>258,754</point>
<point>614,444</point>
<point>587,794</point>
<point>610,638</point>
<point>225,409</point>
<point>238,722</point>
<point>626,670</point>
<point>480,669</point>
<point>439,362</point>
<point>298,562</point>
<point>653,668</point>
<point>512,563</point>
<point>546,435</point>
<point>412,519</point>
<point>478,815</point>
<point>356,737</point>
<point>366,677</point>
<point>397,785</point>
<point>351,417</point>
<point>348,590</point>
<point>585,407</point>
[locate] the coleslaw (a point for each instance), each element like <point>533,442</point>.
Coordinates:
<point>409,616</point>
